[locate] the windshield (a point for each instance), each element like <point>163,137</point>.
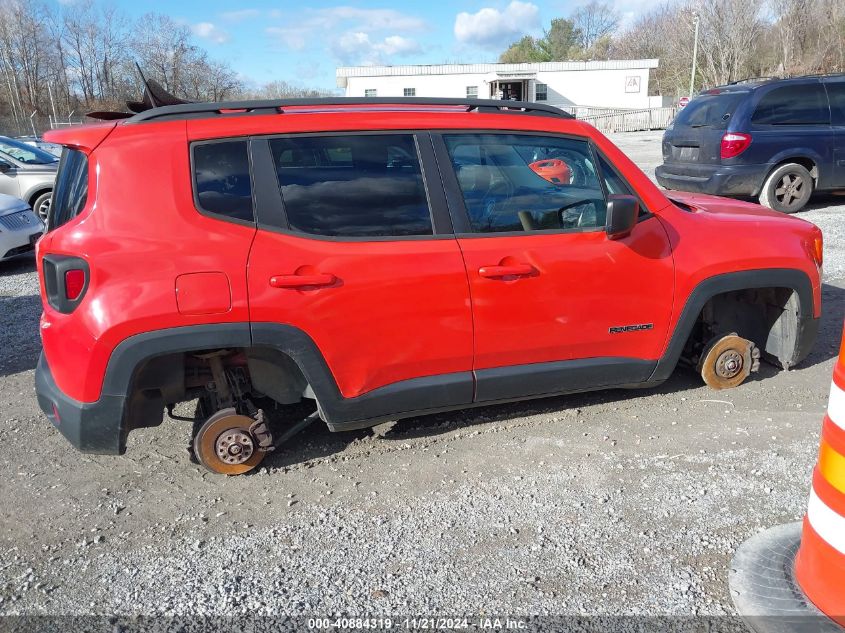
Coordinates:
<point>24,153</point>
<point>709,110</point>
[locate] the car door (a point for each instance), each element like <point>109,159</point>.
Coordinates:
<point>836,95</point>
<point>9,182</point>
<point>557,306</point>
<point>356,250</point>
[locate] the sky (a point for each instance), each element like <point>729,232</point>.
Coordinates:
<point>304,42</point>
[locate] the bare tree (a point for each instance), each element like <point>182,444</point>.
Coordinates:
<point>593,21</point>
<point>730,35</point>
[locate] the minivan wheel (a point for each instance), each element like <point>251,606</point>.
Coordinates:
<point>788,188</point>
<point>42,205</point>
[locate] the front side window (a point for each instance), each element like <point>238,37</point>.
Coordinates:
<point>798,104</point>
<point>409,92</point>
<point>71,191</point>
<point>542,92</point>
<point>352,185</point>
<point>516,182</point>
<point>221,179</point>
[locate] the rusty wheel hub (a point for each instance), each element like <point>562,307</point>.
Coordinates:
<point>727,361</point>
<point>729,364</point>
<point>225,444</point>
<point>233,446</point>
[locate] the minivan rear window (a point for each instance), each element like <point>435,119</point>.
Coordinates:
<point>710,110</point>
<point>71,191</point>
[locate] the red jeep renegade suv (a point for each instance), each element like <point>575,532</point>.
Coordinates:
<point>387,258</point>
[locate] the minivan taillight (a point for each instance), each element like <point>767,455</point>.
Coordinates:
<point>65,281</point>
<point>734,144</point>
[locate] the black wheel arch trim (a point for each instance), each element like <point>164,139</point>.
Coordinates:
<point>792,278</point>
<point>454,390</point>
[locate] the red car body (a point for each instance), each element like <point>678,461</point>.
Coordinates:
<point>385,315</point>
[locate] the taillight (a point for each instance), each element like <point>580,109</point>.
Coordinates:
<point>74,283</point>
<point>65,281</point>
<point>734,144</point>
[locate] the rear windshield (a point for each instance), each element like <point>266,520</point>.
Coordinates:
<point>710,110</point>
<point>71,190</point>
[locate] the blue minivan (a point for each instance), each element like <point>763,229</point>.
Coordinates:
<point>777,140</point>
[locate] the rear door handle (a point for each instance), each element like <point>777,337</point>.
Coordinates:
<point>513,270</point>
<point>299,281</point>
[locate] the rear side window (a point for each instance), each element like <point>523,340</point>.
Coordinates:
<point>801,104</point>
<point>836,93</point>
<point>71,191</point>
<point>221,179</point>
<point>352,185</point>
<point>710,110</point>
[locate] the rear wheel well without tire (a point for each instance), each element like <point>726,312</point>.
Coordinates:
<point>253,372</point>
<point>766,316</point>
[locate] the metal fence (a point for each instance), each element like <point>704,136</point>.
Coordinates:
<point>616,120</point>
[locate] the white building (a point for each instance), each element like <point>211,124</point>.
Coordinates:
<point>605,84</point>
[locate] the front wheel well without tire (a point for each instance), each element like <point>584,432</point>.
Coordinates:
<point>768,317</point>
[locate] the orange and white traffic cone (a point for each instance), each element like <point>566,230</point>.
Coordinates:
<point>792,577</point>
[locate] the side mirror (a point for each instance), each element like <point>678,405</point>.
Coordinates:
<point>4,166</point>
<point>622,212</point>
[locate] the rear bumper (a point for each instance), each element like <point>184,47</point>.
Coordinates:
<point>92,427</point>
<point>718,180</point>
<point>17,243</point>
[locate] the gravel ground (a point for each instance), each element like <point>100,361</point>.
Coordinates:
<point>614,502</point>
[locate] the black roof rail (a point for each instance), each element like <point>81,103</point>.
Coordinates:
<point>749,80</point>
<point>277,106</point>
<point>811,75</point>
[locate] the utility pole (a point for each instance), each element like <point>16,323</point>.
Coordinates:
<point>697,19</point>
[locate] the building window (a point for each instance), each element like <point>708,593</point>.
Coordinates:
<point>542,92</point>
<point>472,92</point>
<point>370,92</point>
<point>409,92</point>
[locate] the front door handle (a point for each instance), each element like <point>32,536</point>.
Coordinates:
<point>512,270</point>
<point>300,281</point>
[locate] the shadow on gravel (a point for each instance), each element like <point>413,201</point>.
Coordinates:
<point>18,266</point>
<point>821,201</point>
<point>830,329</point>
<point>19,341</point>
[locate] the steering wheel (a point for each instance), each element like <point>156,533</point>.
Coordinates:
<point>579,222</point>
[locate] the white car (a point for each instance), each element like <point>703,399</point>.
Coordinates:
<point>20,227</point>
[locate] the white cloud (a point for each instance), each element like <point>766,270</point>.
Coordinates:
<point>356,47</point>
<point>495,29</point>
<point>240,15</point>
<point>293,38</point>
<point>208,31</point>
<point>357,35</point>
<point>370,19</point>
